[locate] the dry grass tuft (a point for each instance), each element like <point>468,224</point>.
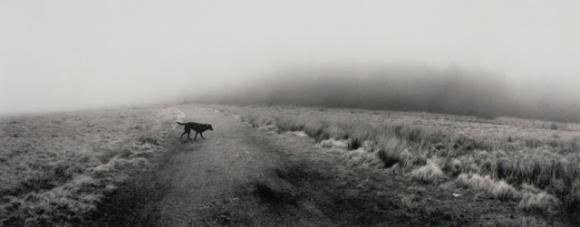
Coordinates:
<point>542,202</point>
<point>431,172</point>
<point>332,143</point>
<point>498,189</point>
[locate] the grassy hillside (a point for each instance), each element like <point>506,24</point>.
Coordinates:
<point>532,162</point>
<point>55,169</point>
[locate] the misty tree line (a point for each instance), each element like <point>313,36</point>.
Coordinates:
<point>454,91</point>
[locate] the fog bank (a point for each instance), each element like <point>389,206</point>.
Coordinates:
<point>69,54</point>
<point>454,90</point>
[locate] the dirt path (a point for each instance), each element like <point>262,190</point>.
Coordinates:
<point>208,171</point>
<point>243,176</point>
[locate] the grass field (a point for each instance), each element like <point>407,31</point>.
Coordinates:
<point>533,162</point>
<point>56,168</point>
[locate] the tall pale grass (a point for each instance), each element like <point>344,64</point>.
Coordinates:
<point>505,151</point>
<point>498,189</point>
<point>431,172</point>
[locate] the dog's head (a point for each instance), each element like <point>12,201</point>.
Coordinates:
<point>209,127</point>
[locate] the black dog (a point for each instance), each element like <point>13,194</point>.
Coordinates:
<point>197,127</point>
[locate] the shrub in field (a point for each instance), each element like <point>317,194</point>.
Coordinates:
<point>551,172</point>
<point>315,129</point>
<point>428,173</point>
<point>335,131</point>
<point>535,166</point>
<point>453,166</point>
<point>362,158</point>
<point>542,202</point>
<point>498,189</point>
<point>390,157</point>
<point>392,151</point>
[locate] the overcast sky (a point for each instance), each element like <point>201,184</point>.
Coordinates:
<point>66,54</point>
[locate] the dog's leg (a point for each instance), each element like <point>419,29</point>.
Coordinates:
<point>195,137</point>
<point>201,134</point>
<point>182,134</point>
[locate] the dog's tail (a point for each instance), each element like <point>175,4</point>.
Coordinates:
<point>179,123</point>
